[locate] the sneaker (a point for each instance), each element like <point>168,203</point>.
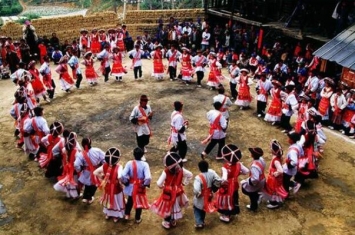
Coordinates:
<point>352,137</point>
<point>138,221</point>
<point>219,158</point>
<point>296,188</point>
<point>199,86</point>
<point>107,217</point>
<point>343,132</point>
<point>273,123</point>
<point>171,79</point>
<point>224,218</point>
<point>91,201</point>
<point>241,108</point>
<point>199,226</point>
<point>331,127</point>
<point>184,160</point>
<point>126,217</point>
<point>270,206</point>
<point>84,200</point>
<point>143,159</point>
<point>248,207</point>
<point>145,150</point>
<point>115,220</point>
<point>203,156</point>
<point>165,224</point>
<point>259,115</point>
<point>284,131</point>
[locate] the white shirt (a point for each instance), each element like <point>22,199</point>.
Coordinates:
<point>295,151</point>
<point>211,116</point>
<point>173,60</point>
<point>266,86</point>
<point>142,128</point>
<point>137,55</point>
<point>226,104</point>
<point>177,122</point>
<point>199,61</point>
<point>206,38</point>
<point>45,69</point>
<point>105,56</point>
<point>341,101</point>
<point>312,83</point>
<point>290,101</point>
<point>41,124</point>
<point>186,178</point>
<point>234,73</point>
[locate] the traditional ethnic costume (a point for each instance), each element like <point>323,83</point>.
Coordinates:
<point>49,141</point>
<point>227,199</point>
<point>136,177</point>
<point>68,181</point>
<point>158,66</point>
<point>273,113</point>
<point>173,198</point>
<point>117,68</point>
<point>110,172</point>
<point>62,69</point>
<point>86,163</point>
<point>274,191</point>
<point>244,96</point>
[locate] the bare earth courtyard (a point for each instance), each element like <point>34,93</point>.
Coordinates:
<point>322,206</point>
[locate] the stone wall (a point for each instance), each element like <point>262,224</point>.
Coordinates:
<point>68,28</point>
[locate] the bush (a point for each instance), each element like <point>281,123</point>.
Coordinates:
<point>29,16</point>
<point>10,8</point>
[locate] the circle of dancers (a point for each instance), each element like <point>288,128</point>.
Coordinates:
<point>81,169</point>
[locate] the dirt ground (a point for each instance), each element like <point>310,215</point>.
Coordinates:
<point>32,206</point>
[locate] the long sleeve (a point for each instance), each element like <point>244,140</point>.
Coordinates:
<point>187,176</point>
<point>147,175</point>
<point>161,180</point>
<point>99,172</point>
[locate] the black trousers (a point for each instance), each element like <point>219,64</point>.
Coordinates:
<point>212,143</point>
<point>200,75</point>
<point>136,70</point>
<point>254,197</point>
<point>172,72</point>
<point>260,107</point>
<point>89,191</point>
<point>233,88</point>
<point>181,148</point>
<point>236,209</point>
<point>79,78</point>
<point>129,206</point>
<point>107,73</point>
<point>285,122</point>
<point>286,182</point>
<point>51,92</point>
<point>142,141</point>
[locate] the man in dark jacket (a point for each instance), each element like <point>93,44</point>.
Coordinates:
<point>11,59</point>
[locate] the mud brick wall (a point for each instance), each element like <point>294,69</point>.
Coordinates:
<point>68,28</point>
<point>139,21</point>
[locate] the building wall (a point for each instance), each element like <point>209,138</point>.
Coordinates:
<point>68,28</point>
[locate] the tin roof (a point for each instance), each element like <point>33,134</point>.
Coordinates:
<point>341,49</point>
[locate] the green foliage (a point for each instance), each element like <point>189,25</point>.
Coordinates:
<point>29,16</point>
<point>177,4</point>
<point>10,7</point>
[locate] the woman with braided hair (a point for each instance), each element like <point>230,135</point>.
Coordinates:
<point>68,181</point>
<point>49,141</point>
<point>113,199</point>
<point>227,197</point>
<point>85,164</point>
<point>274,191</point>
<point>173,198</point>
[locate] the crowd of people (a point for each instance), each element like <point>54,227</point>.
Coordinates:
<point>290,80</point>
